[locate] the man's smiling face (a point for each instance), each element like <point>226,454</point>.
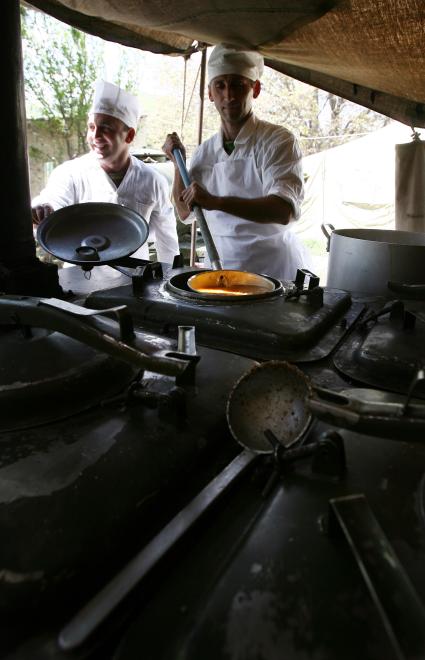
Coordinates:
<point>107,137</point>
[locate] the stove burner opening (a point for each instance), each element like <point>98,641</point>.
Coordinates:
<point>228,285</point>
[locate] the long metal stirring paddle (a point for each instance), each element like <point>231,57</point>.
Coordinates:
<point>205,230</point>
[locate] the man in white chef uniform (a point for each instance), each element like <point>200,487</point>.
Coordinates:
<point>248,177</point>
<point>108,173</point>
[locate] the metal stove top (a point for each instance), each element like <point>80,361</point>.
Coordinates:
<point>296,327</point>
<point>328,562</point>
<point>323,567</point>
<point>320,555</point>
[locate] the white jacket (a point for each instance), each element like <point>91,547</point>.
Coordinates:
<point>143,189</point>
<point>266,161</point>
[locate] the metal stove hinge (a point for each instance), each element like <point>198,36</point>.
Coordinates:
<point>307,285</point>
<point>148,271</point>
<point>396,312</point>
<point>161,394</point>
<point>165,393</point>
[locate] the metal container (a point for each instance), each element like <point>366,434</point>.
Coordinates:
<point>376,261</point>
<point>230,283</point>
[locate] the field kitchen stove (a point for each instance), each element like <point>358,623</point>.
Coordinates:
<point>300,320</point>
<point>155,519</point>
<point>135,522</point>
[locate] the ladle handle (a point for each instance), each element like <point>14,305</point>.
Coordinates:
<point>85,326</point>
<point>203,226</point>
<point>330,405</point>
<point>85,622</point>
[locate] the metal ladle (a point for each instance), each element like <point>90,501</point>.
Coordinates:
<point>269,401</point>
<point>275,402</point>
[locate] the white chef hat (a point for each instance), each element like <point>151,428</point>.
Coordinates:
<point>225,59</point>
<point>111,100</point>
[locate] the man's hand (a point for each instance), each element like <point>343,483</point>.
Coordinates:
<point>172,141</point>
<point>197,195</point>
<point>40,212</point>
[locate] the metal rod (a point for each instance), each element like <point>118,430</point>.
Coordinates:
<point>52,315</point>
<point>417,378</point>
<point>401,610</point>
<point>193,230</point>
<point>94,613</point>
<point>202,94</point>
<point>200,127</point>
<point>205,231</point>
<point>186,339</point>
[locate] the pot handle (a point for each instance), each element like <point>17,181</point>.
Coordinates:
<point>324,226</point>
<point>415,291</point>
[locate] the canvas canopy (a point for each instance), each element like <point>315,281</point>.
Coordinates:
<point>353,185</point>
<point>368,51</point>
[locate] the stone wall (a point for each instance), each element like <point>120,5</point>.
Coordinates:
<point>45,151</point>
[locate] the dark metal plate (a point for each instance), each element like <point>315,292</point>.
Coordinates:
<point>271,583</point>
<point>92,233</point>
<point>384,356</point>
<point>52,377</point>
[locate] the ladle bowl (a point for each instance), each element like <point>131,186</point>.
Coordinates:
<point>272,396</point>
<point>274,403</point>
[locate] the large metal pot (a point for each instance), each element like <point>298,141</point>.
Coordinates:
<point>376,261</point>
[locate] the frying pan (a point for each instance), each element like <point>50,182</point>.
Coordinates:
<point>92,233</point>
<point>276,401</point>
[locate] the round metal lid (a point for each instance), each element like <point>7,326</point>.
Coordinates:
<point>92,233</point>
<point>52,377</point>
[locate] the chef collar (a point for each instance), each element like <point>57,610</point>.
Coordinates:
<point>246,131</point>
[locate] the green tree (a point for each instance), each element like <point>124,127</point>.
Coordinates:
<point>60,67</point>
<point>321,120</point>
<point>61,64</point>
<point>318,118</point>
